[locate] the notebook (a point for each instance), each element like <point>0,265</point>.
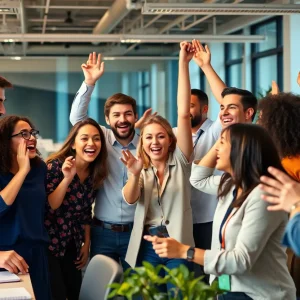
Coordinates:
<point>8,277</point>
<point>14,294</point>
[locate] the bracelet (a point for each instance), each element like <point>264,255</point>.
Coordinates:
<point>294,206</point>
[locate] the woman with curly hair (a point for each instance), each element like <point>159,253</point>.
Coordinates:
<point>280,115</point>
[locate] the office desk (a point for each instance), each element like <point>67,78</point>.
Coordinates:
<point>25,283</point>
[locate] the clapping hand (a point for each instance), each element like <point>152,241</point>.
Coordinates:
<point>186,51</point>
<point>202,54</point>
<point>93,69</point>
<point>133,164</point>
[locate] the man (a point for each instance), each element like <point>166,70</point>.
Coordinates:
<point>3,85</point>
<point>9,260</point>
<point>113,219</point>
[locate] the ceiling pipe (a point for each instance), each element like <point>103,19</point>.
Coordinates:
<point>114,15</point>
<point>45,18</point>
<point>23,26</point>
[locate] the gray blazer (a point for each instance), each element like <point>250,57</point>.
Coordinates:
<point>253,255</point>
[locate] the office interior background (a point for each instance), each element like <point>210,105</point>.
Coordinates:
<point>44,42</point>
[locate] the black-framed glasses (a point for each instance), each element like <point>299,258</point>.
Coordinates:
<point>27,134</point>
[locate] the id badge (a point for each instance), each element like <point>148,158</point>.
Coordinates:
<point>224,282</point>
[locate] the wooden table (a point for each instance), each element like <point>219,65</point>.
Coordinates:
<point>25,283</point>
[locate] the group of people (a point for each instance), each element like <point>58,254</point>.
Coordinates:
<point>195,195</point>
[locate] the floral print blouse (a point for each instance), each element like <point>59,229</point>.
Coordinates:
<point>67,222</point>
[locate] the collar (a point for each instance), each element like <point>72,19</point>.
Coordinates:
<point>132,145</point>
<point>206,124</point>
<point>170,161</point>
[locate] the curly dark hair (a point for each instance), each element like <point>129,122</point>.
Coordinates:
<point>7,126</point>
<point>280,116</point>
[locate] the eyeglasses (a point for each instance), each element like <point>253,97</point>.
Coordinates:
<point>27,134</point>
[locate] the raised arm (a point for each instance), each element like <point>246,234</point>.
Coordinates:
<point>202,58</point>
<point>132,189</point>
<point>92,70</point>
<point>184,132</point>
<point>9,193</point>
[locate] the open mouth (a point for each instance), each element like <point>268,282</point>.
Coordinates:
<point>156,150</point>
<point>90,152</point>
<point>227,120</point>
<point>31,147</point>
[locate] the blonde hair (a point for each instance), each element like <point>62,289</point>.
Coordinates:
<point>163,123</point>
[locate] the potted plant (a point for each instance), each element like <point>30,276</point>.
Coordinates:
<point>144,281</point>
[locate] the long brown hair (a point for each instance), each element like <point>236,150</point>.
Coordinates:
<point>7,126</point>
<point>166,125</point>
<point>252,152</point>
<point>98,168</point>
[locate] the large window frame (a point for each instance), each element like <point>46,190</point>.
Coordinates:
<point>229,62</point>
<point>278,51</point>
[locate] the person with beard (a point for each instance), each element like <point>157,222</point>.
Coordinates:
<point>113,219</point>
<point>205,133</point>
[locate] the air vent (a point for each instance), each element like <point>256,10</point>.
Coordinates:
<point>219,9</point>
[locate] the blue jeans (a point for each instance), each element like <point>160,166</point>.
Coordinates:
<point>147,253</point>
<point>110,243</point>
<point>234,296</point>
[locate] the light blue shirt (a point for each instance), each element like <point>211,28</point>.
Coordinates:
<point>291,236</point>
<point>204,205</point>
<point>109,204</point>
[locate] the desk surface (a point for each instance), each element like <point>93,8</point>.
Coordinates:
<point>25,282</point>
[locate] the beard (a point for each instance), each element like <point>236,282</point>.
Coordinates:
<point>196,120</point>
<point>125,135</point>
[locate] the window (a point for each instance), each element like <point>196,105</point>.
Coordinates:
<point>234,63</point>
<point>267,56</point>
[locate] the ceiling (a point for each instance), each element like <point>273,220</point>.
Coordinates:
<point>125,28</point>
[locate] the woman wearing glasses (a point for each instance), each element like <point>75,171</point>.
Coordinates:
<point>22,202</point>
<point>74,174</point>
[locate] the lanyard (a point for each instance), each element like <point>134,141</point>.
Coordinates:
<point>227,217</point>
<point>198,137</point>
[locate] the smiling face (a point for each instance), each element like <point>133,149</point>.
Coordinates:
<point>156,142</point>
<point>87,144</point>
<point>2,99</point>
<point>121,119</point>
<point>223,153</point>
<point>232,111</point>
<point>22,126</point>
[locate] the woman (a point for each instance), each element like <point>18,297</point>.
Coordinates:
<point>74,174</point>
<point>246,255</point>
<point>22,202</point>
<point>279,115</point>
<point>159,179</point>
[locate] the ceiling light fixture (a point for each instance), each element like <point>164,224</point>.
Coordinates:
<point>218,9</point>
<point>131,38</point>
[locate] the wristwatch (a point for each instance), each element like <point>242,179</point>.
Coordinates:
<point>190,254</point>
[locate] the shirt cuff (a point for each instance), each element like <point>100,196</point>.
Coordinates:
<point>126,200</point>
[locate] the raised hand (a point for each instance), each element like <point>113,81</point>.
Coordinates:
<point>93,69</point>
<point>275,89</point>
<point>147,114</point>
<point>202,54</point>
<point>69,168</point>
<point>134,165</point>
<point>186,51</point>
<point>23,157</point>
<point>283,192</point>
